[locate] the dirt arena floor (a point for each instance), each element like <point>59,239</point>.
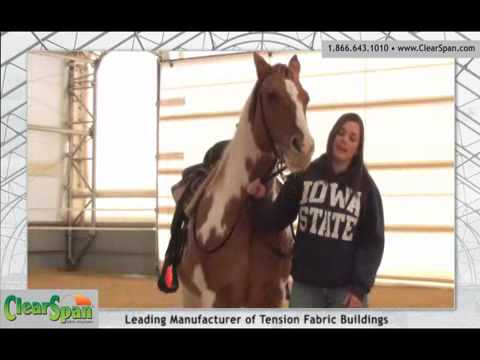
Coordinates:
<point>134,291</point>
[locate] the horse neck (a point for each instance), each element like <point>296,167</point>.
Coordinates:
<point>243,160</point>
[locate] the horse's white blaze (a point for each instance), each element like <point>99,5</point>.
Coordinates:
<point>241,148</point>
<point>208,296</point>
<point>301,120</point>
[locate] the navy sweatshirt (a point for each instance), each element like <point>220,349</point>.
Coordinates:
<point>340,234</point>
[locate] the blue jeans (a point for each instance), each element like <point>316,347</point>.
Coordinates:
<point>311,296</point>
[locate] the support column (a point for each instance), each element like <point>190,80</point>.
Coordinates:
<point>157,158</point>
<point>78,85</point>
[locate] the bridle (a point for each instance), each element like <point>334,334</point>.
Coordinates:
<point>280,166</point>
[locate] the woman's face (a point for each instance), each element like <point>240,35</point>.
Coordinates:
<point>347,140</point>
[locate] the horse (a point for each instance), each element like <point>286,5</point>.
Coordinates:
<point>227,262</point>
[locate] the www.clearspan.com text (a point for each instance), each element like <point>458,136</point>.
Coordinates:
<point>440,48</point>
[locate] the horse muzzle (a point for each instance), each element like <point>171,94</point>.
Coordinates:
<point>299,153</point>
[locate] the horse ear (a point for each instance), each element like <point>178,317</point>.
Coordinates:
<point>262,66</point>
<point>294,65</point>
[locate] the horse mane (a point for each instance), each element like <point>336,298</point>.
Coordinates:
<point>253,101</point>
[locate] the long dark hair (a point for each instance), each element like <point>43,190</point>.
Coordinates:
<point>356,170</point>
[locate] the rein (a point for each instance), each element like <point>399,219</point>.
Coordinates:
<point>194,230</point>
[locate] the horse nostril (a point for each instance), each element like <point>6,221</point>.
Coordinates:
<point>296,144</point>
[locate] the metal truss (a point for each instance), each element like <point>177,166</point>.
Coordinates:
<point>82,79</point>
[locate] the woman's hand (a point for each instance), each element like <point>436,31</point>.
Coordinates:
<point>256,189</point>
<point>352,301</point>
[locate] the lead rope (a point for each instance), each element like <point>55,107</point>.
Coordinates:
<point>288,290</point>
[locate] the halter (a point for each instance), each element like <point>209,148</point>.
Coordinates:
<point>279,163</point>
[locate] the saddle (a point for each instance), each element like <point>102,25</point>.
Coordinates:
<point>194,176</point>
<point>186,194</point>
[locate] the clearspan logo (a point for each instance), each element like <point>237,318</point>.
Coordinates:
<point>67,309</point>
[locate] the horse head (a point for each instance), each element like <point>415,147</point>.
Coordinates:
<point>278,113</point>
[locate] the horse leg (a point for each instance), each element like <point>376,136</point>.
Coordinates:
<point>267,295</point>
<point>230,296</point>
<point>193,299</point>
<point>268,276</point>
<point>190,299</point>
<point>195,293</point>
<point>204,297</point>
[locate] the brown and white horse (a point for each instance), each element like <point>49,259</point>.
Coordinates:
<point>226,261</point>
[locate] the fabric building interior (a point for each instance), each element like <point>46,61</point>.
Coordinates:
<point>97,208</point>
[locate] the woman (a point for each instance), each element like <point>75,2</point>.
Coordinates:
<point>340,235</point>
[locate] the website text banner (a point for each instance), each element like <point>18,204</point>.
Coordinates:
<point>286,318</point>
<point>400,49</point>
